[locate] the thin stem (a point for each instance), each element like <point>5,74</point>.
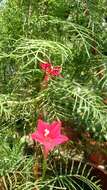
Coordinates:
<point>44,168</point>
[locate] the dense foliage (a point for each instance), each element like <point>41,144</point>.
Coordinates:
<point>66,33</point>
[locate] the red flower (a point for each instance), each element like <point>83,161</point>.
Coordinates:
<point>49,135</point>
<point>44,66</point>
<point>50,71</point>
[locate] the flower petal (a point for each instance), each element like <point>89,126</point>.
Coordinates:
<point>52,143</point>
<point>48,146</point>
<point>41,126</point>
<point>44,66</point>
<point>60,139</point>
<point>38,137</point>
<point>55,129</point>
<point>56,71</point>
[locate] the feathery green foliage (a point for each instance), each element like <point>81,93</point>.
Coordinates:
<point>68,33</point>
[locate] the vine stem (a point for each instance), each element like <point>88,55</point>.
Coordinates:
<point>44,167</point>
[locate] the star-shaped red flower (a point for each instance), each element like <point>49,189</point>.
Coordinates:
<point>50,70</point>
<point>49,135</point>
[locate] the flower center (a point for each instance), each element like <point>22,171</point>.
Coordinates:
<point>46,132</point>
